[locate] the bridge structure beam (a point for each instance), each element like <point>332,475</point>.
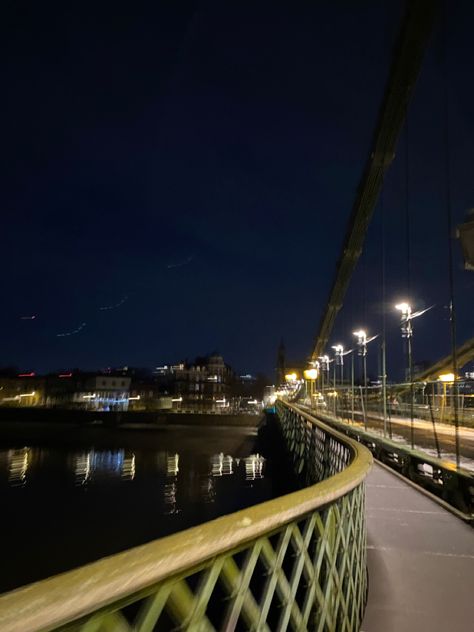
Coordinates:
<point>406,64</point>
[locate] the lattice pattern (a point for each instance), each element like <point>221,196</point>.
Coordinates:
<point>307,575</point>
<point>316,454</point>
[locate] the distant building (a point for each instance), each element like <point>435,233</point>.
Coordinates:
<point>25,389</point>
<point>105,392</point>
<point>205,385</point>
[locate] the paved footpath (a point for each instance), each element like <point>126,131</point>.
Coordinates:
<point>420,558</point>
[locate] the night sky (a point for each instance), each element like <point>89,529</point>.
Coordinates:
<point>191,167</point>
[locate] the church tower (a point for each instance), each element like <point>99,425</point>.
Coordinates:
<point>280,367</point>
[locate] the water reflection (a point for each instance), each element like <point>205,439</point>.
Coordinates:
<point>95,501</point>
<point>221,465</point>
<point>100,464</point>
<point>104,467</point>
<point>18,462</point>
<point>254,465</point>
<point>171,485</point>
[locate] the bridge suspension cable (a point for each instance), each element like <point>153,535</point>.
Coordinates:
<point>407,59</point>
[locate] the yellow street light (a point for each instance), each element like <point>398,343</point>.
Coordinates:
<point>447,377</point>
<point>311,374</point>
<point>291,377</point>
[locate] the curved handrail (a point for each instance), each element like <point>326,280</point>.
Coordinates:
<point>74,594</point>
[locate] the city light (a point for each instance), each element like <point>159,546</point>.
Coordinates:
<point>447,377</point>
<point>89,396</point>
<point>361,336</point>
<point>405,308</point>
<point>291,377</point>
<point>311,374</point>
<point>339,353</point>
<point>130,399</point>
<point>325,362</point>
<point>28,394</point>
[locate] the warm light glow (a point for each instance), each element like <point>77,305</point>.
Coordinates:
<point>28,394</point>
<point>178,399</point>
<point>311,374</point>
<point>446,377</point>
<point>89,396</point>
<point>291,377</point>
<point>130,399</point>
<point>405,308</point>
<point>360,334</point>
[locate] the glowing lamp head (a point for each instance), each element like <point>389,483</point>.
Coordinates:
<point>404,308</point>
<point>291,377</point>
<point>311,374</point>
<point>447,377</point>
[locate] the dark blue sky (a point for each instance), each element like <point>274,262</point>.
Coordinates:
<point>225,136</point>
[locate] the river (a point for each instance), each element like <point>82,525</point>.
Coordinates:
<point>71,502</point>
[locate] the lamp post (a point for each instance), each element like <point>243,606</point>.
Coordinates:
<point>324,363</point>
<point>361,336</point>
<point>339,360</point>
<point>311,375</point>
<point>407,333</point>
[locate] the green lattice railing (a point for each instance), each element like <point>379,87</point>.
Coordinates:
<point>293,563</point>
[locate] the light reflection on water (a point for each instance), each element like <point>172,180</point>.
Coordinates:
<point>67,507</point>
<point>18,461</point>
<point>102,468</point>
<point>117,464</point>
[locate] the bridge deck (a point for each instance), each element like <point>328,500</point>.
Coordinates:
<point>421,561</point>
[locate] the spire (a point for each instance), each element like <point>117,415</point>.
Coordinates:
<point>280,367</point>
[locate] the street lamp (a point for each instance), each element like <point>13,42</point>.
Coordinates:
<point>310,376</point>
<point>339,357</point>
<point>339,354</point>
<point>407,333</point>
<point>361,336</point>
<point>324,364</point>
<point>445,379</point>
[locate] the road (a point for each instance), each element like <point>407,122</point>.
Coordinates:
<point>425,438</point>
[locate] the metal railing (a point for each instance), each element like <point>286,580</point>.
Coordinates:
<point>451,485</point>
<point>297,562</point>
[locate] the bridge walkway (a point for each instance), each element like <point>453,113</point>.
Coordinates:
<point>420,558</point>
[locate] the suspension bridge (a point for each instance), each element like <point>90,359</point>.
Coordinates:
<point>380,536</point>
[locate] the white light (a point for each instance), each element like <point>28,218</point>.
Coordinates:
<point>178,399</point>
<point>89,396</point>
<point>28,394</point>
<point>133,398</point>
<point>405,308</point>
